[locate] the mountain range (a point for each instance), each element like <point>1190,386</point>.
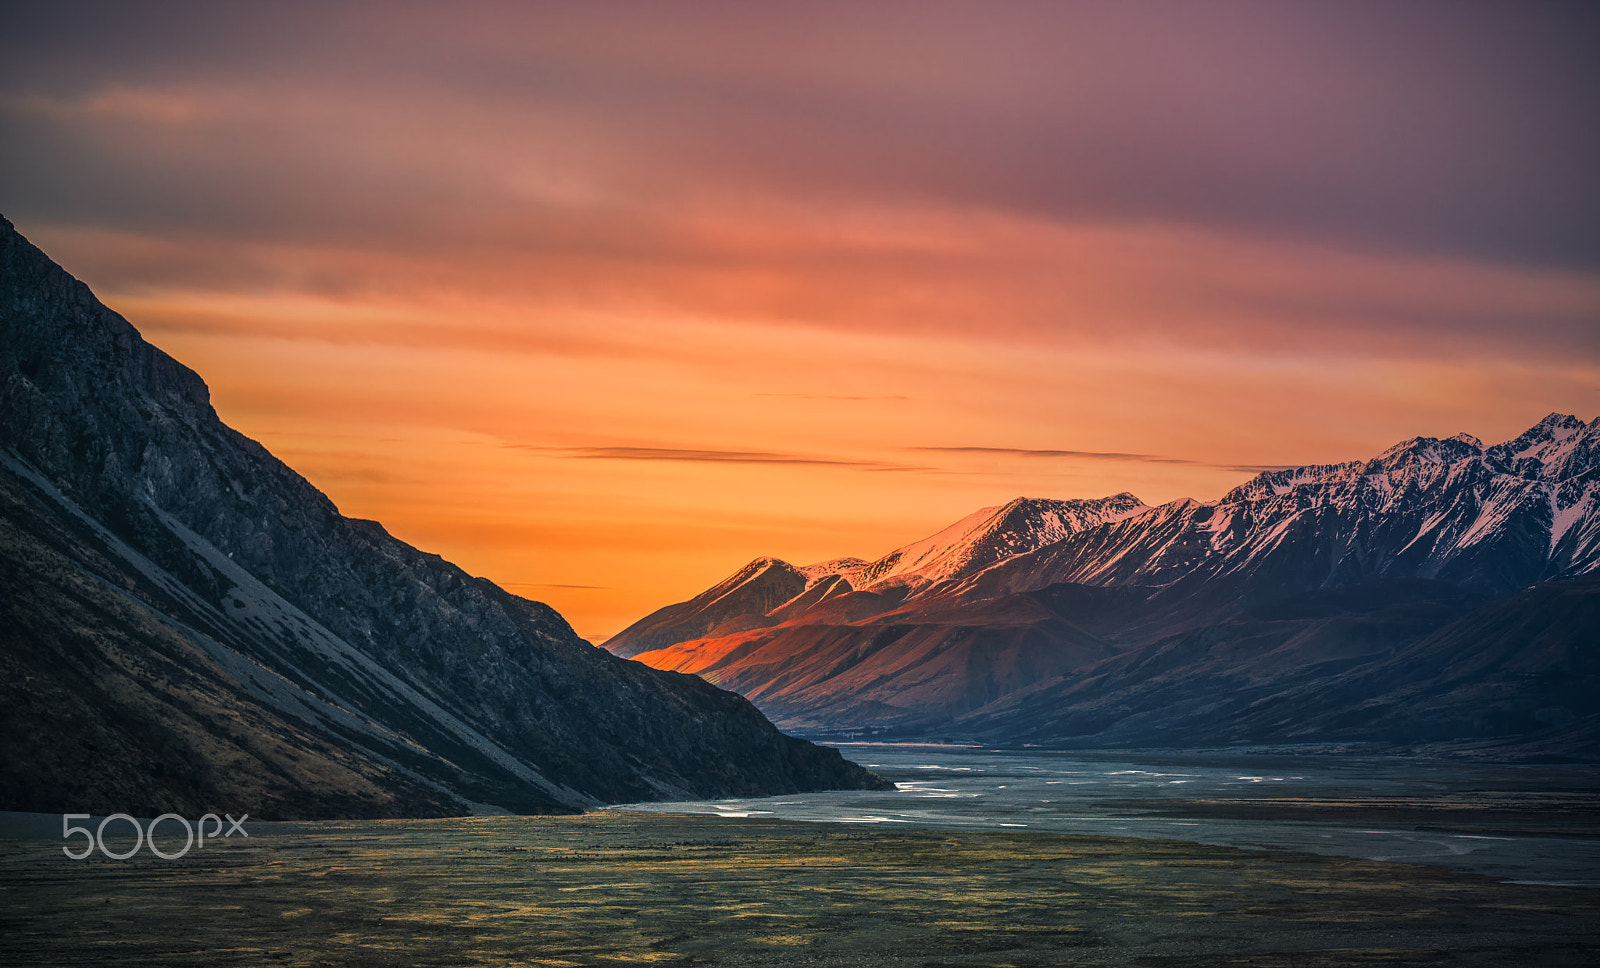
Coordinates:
<point>1442,592</point>
<point>187,625</point>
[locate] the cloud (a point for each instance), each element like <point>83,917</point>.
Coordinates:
<point>1267,178</point>
<point>835,396</point>
<point>905,273</point>
<point>708,456</point>
<point>1102,455</point>
<point>1094,455</point>
<point>1446,130</point>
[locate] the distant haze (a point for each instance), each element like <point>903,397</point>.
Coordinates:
<point>603,300</point>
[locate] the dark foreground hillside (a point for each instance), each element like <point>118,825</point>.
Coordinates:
<point>188,625</point>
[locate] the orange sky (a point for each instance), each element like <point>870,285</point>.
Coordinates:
<point>603,314</point>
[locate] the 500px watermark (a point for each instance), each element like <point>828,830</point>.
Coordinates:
<point>147,835</point>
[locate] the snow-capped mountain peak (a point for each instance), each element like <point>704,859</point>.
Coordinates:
<point>1431,450</point>
<point>753,573</point>
<point>1555,449</point>
<point>993,534</point>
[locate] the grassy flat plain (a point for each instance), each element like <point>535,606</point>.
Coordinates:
<point>1487,813</point>
<point>629,888</point>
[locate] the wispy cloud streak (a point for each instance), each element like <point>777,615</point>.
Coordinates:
<point>1107,455</point>
<point>709,456</point>
<point>835,396</point>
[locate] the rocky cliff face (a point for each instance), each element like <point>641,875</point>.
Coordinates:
<point>187,620</point>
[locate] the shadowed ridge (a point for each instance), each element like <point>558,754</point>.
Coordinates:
<point>742,599</point>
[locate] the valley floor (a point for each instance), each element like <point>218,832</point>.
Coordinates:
<point>629,888</point>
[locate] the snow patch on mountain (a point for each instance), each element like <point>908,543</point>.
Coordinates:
<point>848,568</point>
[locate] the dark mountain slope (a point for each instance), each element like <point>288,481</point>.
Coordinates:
<point>132,507</point>
<point>1197,687</point>
<point>111,704</point>
<point>1383,664</point>
<point>812,675</point>
<point>1522,663</point>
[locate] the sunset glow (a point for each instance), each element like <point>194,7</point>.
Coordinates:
<point>601,304</point>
